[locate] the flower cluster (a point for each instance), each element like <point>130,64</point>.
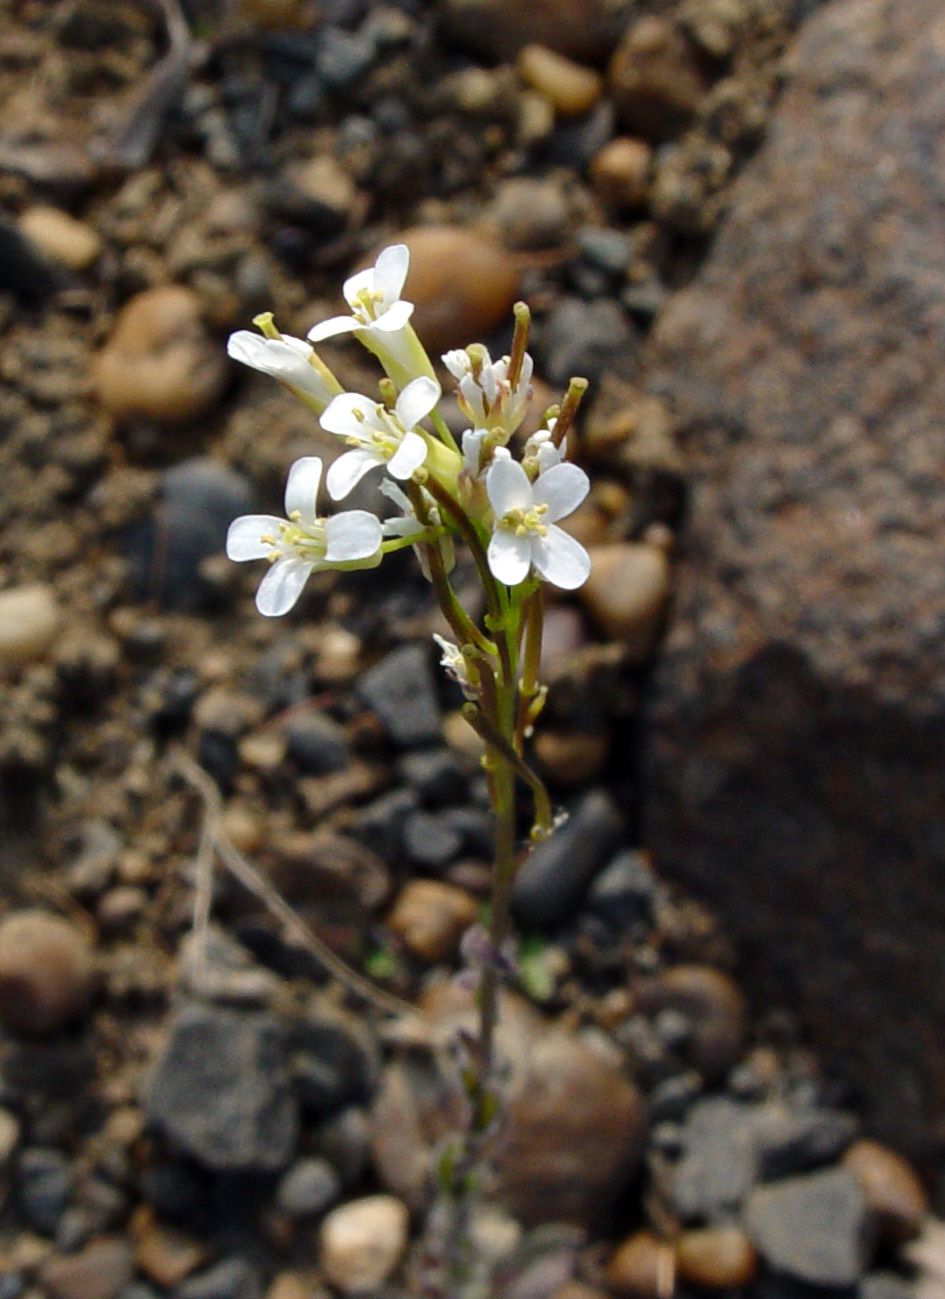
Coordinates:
<point>506,509</point>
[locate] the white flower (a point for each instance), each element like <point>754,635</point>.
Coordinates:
<point>525,517</point>
<point>379,436</point>
<point>302,543</point>
<point>485,394</point>
<point>290,360</point>
<point>540,453</point>
<point>454,664</point>
<point>408,525</point>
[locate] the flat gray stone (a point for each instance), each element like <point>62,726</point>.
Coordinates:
<point>813,1228</point>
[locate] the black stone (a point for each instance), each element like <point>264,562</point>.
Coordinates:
<point>380,825</point>
<point>316,743</point>
<point>436,774</point>
<point>309,1188</point>
<point>793,1141</point>
<point>231,1278</point>
<point>624,893</point>
<point>430,841</point>
<point>46,1181</point>
<point>401,689</point>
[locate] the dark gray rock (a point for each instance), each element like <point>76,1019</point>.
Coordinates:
<point>585,339</point>
<point>334,1059</point>
<point>813,1228</point>
<point>231,1278</point>
<point>309,1188</point>
<point>792,1141</point>
<point>316,743</point>
<point>345,1141</point>
<point>886,1285</point>
<point>797,726</point>
<point>430,841</point>
<point>45,1185</point>
<point>380,825</point>
<point>221,1090</point>
<point>624,893</point>
<point>551,884</point>
<point>436,774</point>
<point>719,1163</point>
<point>401,689</point>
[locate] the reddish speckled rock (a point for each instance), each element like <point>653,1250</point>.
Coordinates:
<point>797,737</point>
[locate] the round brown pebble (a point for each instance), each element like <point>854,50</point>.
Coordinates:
<point>656,79</point>
<point>716,1257</point>
<point>430,918</point>
<point>620,173</point>
<point>46,972</point>
<point>99,1271</point>
<point>462,285</point>
<point>160,362</point>
<point>626,594</point>
<point>894,1194</point>
<point>712,1002</point>
<point>571,758</point>
<point>60,237</point>
<point>571,88</point>
<point>29,623</point>
<point>642,1267</point>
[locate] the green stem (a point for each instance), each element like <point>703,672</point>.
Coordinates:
<point>442,430</point>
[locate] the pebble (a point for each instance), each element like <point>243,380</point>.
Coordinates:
<point>316,743</point>
<point>436,774</point>
<point>46,972</point>
<point>221,1091</point>
<point>620,173</point>
<point>30,618</point>
<point>716,1257</point>
<point>160,362</point>
<point>713,1005</point>
<point>334,1058</point>
<point>530,214</point>
<point>894,1194</point>
<point>9,1136</point>
<point>586,339</point>
<point>462,283</point>
<point>571,88</point>
<point>380,825</point>
<point>430,841</point>
<point>308,1188</point>
<point>344,1138</point>
<point>550,885</point>
<point>571,759</point>
<point>362,1242</point>
<point>642,1267</point>
<point>46,1181</point>
<point>578,1290</point>
<point>624,893</point>
<point>99,1271</point>
<point>813,1228</point>
<point>401,689</point>
<point>718,1165</point>
<point>430,918</point>
<point>627,593</point>
<point>580,29</point>
<point>60,237</point>
<point>165,1254</point>
<point>231,1278</point>
<point>655,79</point>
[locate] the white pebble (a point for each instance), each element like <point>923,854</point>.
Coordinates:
<point>29,623</point>
<point>363,1241</point>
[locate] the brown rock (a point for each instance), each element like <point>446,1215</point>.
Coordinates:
<point>462,285</point>
<point>530,214</point>
<point>578,1290</point>
<point>620,173</point>
<point>627,592</point>
<point>60,237</point>
<point>712,1003</point>
<point>165,1254</point>
<point>430,918</point>
<point>99,1271</point>
<point>571,758</point>
<point>716,1257</point>
<point>798,719</point>
<point>29,623</point>
<point>642,1267</point>
<point>894,1194</point>
<point>580,29</point>
<point>573,1128</point>
<point>160,363</point>
<point>46,972</point>
<point>570,87</point>
<point>656,79</point>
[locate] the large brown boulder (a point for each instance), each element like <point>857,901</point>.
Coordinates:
<point>797,734</point>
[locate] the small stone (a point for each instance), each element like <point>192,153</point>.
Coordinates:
<point>530,214</point>
<point>315,743</point>
<point>461,282</point>
<point>894,1194</point>
<point>9,1136</point>
<point>60,237</point>
<point>430,918</point>
<point>345,1141</point>
<point>578,1290</point>
<point>642,1267</point>
<point>221,1091</point>
<point>316,193</point>
<point>571,759</point>
<point>627,593</point>
<point>655,79</point>
<point>308,1188</point>
<point>585,339</point>
<point>362,1242</point>
<point>231,1278</point>
<point>166,1255</point>
<point>99,1271</point>
<point>160,363</point>
<point>46,972</point>
<point>716,1257</point>
<point>624,893</point>
<point>401,689</point>
<point>46,1182</point>
<point>689,194</point>
<point>792,1141</point>
<point>570,87</point>
<point>380,825</point>
<point>620,173</point>
<point>549,887</point>
<point>430,841</point>
<point>29,624</point>
<point>718,1165</point>
<point>437,776</point>
<point>714,1006</point>
<point>580,29</point>
<point>814,1228</point>
<point>334,1058</point>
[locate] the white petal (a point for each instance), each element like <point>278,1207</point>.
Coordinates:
<point>562,488</point>
<point>395,494</point>
<point>508,487</point>
<point>282,586</point>
<point>409,456</point>
<point>416,401</point>
<point>356,283</point>
<point>348,470</point>
<point>560,559</point>
<point>354,534</point>
<point>329,328</point>
<point>349,415</point>
<point>390,271</point>
<point>394,318</point>
<point>302,488</point>
<point>510,556</point>
<point>457,362</point>
<point>472,449</point>
<point>403,527</point>
<point>282,358</point>
<point>243,537</point>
